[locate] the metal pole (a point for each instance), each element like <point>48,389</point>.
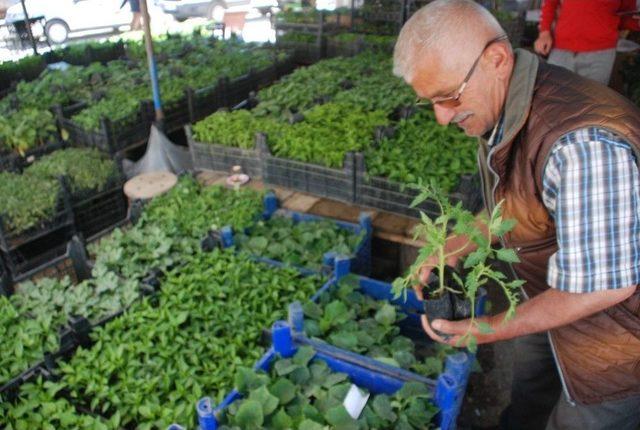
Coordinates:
<point>153,71</point>
<point>28,25</point>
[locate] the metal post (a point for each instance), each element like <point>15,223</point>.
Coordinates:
<point>28,25</point>
<point>153,71</point>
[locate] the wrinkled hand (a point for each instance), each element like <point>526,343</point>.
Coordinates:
<point>456,329</point>
<point>543,43</point>
<point>422,276</point>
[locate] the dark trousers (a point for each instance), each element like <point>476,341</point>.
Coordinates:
<point>538,403</point>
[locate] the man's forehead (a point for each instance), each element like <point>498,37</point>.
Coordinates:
<point>432,78</point>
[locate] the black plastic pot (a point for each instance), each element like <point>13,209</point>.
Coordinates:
<point>448,305</point>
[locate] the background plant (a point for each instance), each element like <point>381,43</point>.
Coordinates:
<point>27,201</point>
<point>86,169</point>
<point>421,150</point>
<point>152,364</point>
<point>300,244</point>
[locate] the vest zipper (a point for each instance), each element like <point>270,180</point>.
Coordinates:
<point>564,384</point>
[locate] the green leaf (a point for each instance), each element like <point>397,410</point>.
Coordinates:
<point>258,244</point>
<point>304,355</point>
<point>386,315</point>
<point>268,401</point>
<point>250,415</point>
<point>413,389</point>
<point>284,390</point>
<point>339,418</point>
<point>281,421</point>
<point>308,424</point>
<point>333,379</point>
<point>382,407</point>
<point>508,255</point>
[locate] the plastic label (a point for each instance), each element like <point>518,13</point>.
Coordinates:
<point>355,401</point>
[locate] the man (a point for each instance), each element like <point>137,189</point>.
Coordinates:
<point>585,36</point>
<point>561,151</point>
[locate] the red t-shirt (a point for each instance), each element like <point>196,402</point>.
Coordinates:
<point>586,25</point>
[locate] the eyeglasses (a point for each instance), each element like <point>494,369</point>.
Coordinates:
<point>454,101</point>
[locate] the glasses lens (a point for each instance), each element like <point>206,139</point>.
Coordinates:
<point>449,103</point>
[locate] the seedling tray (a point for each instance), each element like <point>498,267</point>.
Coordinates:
<point>380,193</point>
<point>361,260</point>
<point>366,373</point>
<point>212,156</point>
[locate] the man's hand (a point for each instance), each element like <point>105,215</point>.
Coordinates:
<point>455,330</point>
<point>422,277</point>
<point>546,311</point>
<point>543,43</point>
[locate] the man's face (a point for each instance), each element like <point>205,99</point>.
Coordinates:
<point>475,114</point>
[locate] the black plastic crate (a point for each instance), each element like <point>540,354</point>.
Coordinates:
<point>394,197</point>
<point>211,156</point>
<point>204,101</point>
<point>101,212</point>
<point>303,53</point>
<point>12,162</point>
<point>285,66</point>
<point>74,264</point>
<point>379,17</point>
<point>337,184</point>
<point>237,90</point>
<point>337,48</point>
<point>62,217</point>
<point>113,136</point>
<point>6,283</point>
<point>32,257</point>
<point>176,114</point>
<point>514,27</point>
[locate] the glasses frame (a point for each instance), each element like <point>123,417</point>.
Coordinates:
<point>454,101</point>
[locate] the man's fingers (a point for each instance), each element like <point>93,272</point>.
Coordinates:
<point>429,331</point>
<point>424,275</point>
<point>450,327</point>
<point>418,291</point>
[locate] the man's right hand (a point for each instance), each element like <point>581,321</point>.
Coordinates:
<point>422,277</point>
<point>543,43</point>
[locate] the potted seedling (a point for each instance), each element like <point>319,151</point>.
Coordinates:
<point>450,294</point>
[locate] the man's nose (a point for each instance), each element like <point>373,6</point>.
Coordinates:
<point>443,115</point>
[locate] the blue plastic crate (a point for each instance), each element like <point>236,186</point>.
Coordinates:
<point>411,326</point>
<point>367,373</point>
<point>360,262</point>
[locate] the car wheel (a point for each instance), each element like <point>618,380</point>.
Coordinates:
<point>57,31</point>
<point>216,13</point>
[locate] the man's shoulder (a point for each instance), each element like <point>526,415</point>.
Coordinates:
<point>593,137</point>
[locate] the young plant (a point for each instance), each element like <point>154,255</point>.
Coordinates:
<point>454,219</point>
<point>303,392</point>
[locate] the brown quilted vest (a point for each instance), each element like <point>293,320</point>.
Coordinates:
<point>598,356</point>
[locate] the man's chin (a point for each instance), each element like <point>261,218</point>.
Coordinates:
<point>469,131</point>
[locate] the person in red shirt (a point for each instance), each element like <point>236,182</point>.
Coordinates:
<point>585,34</point>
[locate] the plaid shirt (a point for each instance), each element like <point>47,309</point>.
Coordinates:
<point>591,187</point>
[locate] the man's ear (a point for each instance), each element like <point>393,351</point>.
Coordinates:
<point>500,60</point>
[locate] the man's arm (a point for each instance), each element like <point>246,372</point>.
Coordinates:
<point>544,42</point>
<point>547,14</point>
<point>629,22</point>
<point>546,311</point>
<point>591,187</point>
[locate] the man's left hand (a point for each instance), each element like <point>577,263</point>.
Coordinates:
<point>455,329</point>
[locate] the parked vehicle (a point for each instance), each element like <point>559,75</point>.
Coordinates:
<point>64,17</point>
